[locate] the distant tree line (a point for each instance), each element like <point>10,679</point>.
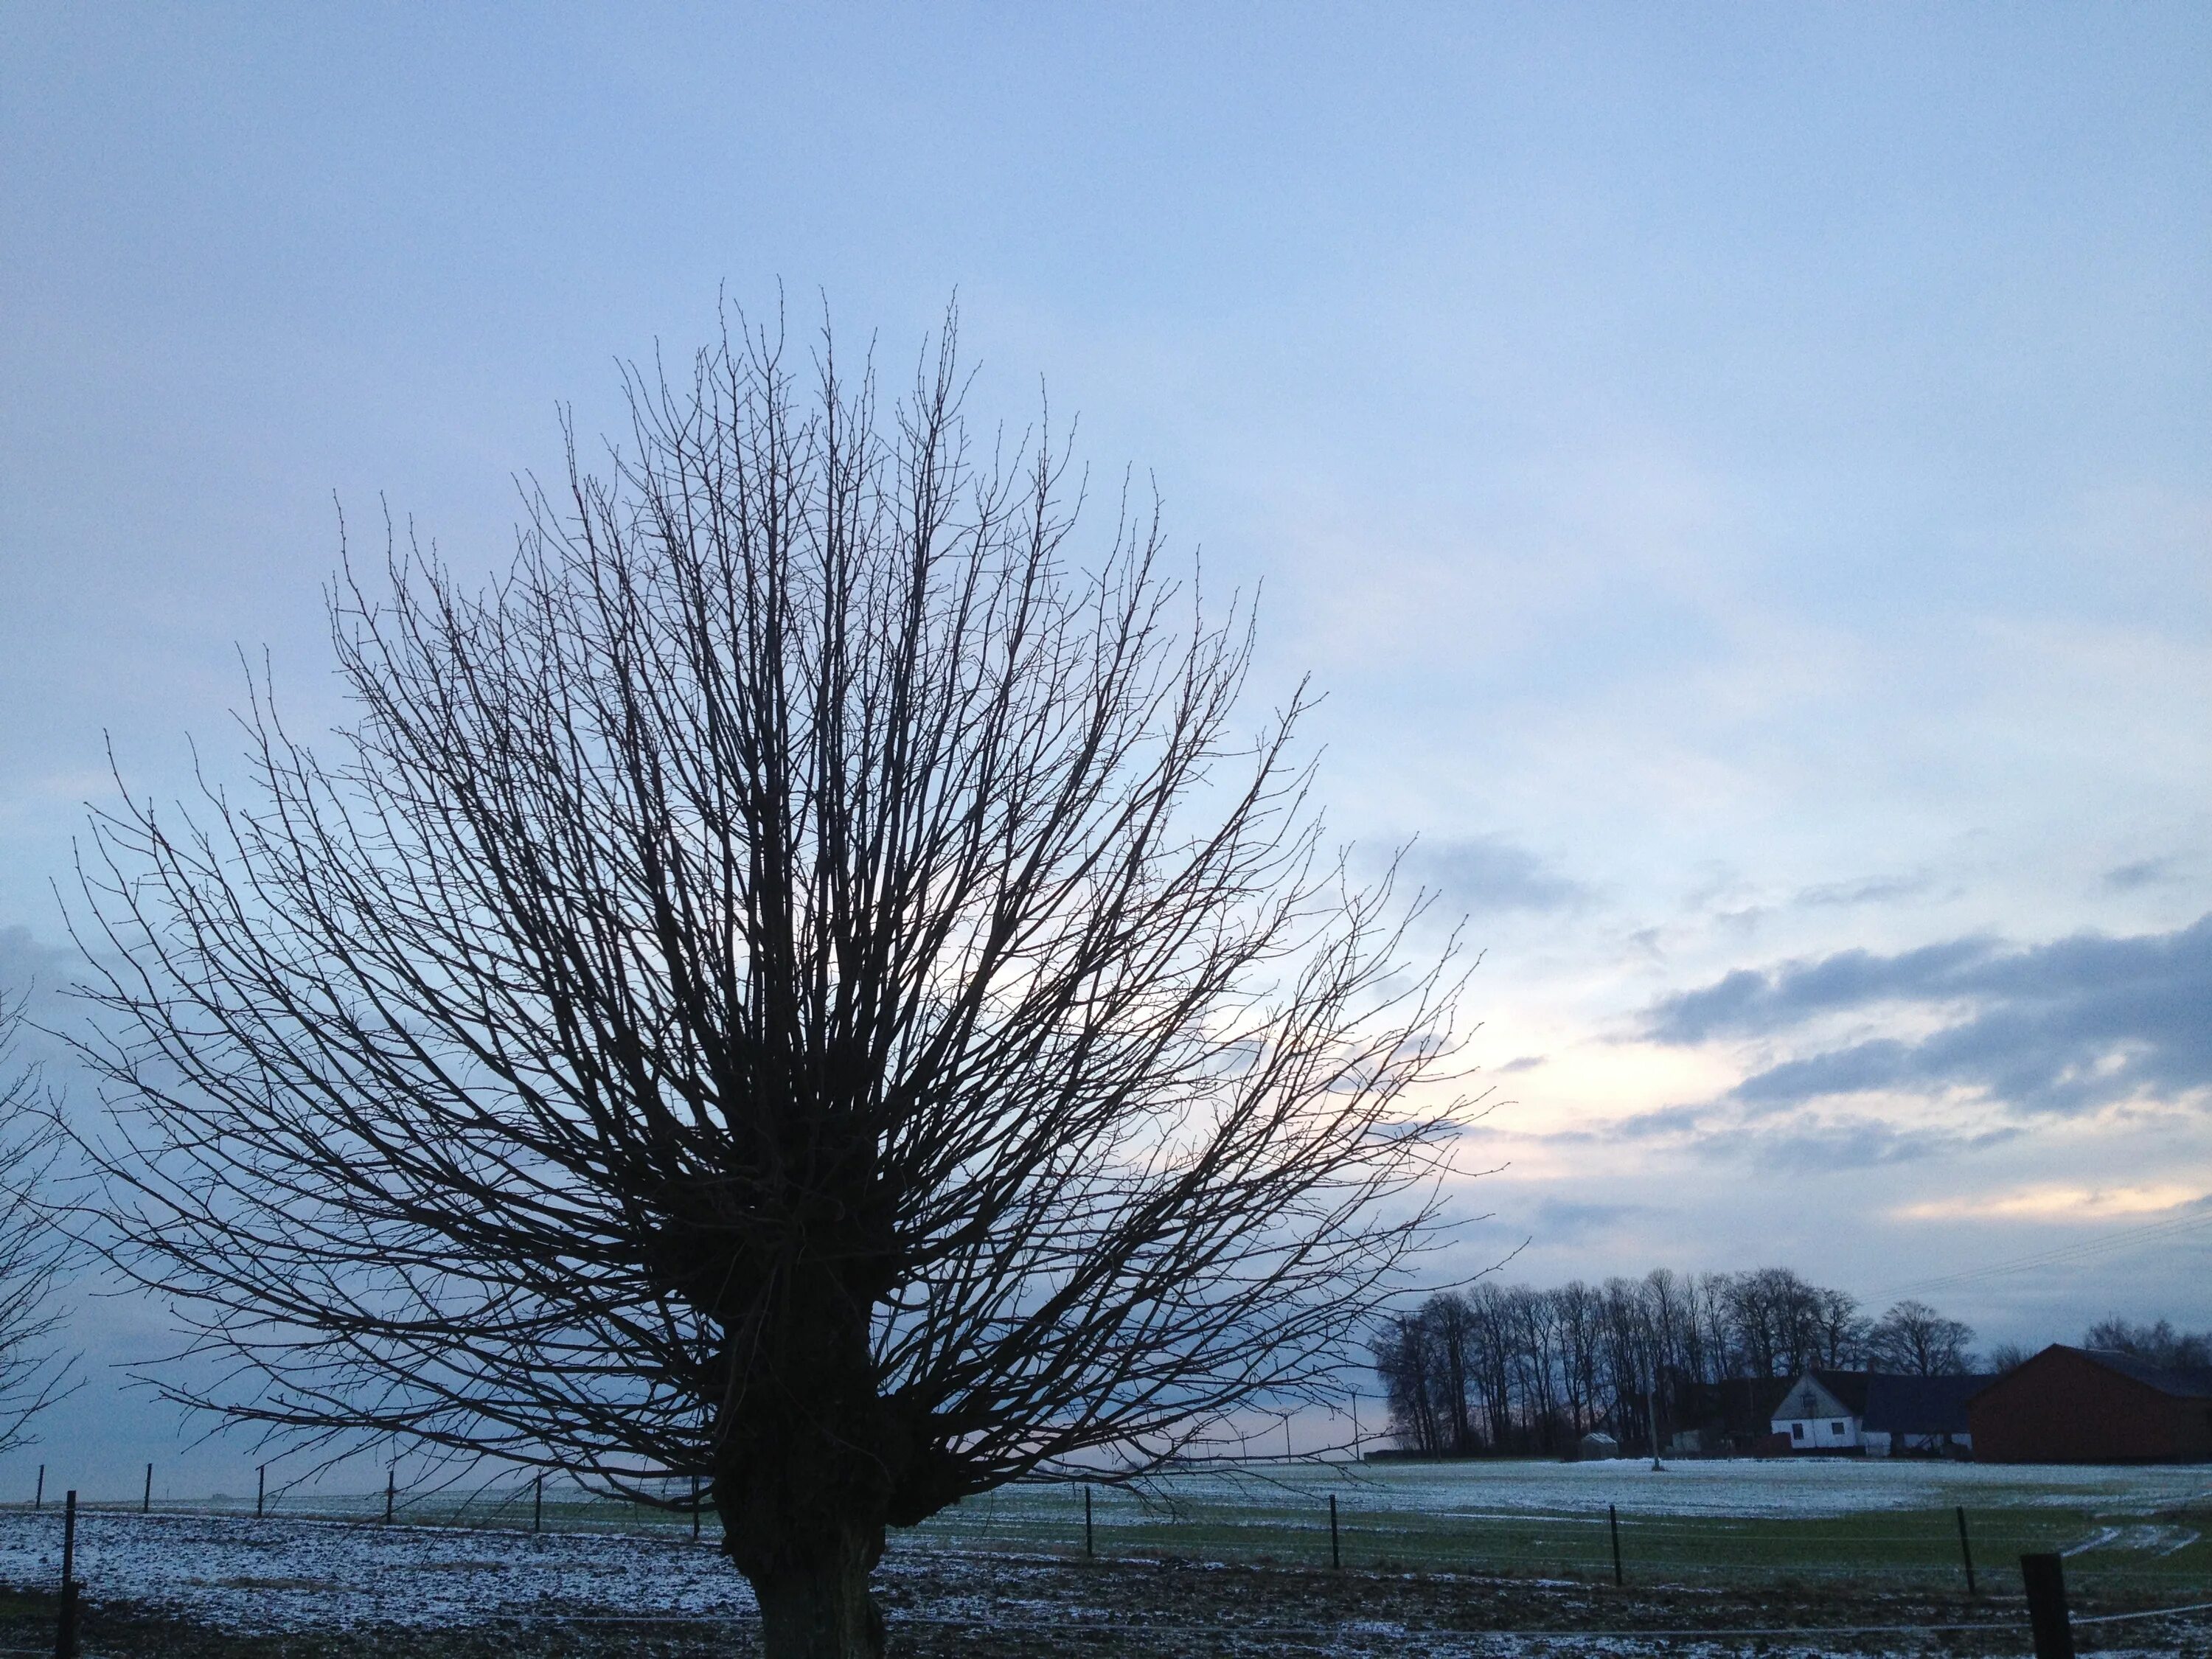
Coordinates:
<point>1501,1368</point>
<point>2160,1343</point>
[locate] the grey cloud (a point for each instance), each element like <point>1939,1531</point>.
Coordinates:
<point>1526,1063</point>
<point>1817,1146</point>
<point>38,976</point>
<point>2061,1027</point>
<point>1748,1003</point>
<point>2143,873</point>
<point>1560,1221</point>
<point>1872,889</point>
<point>1662,1121</point>
<point>1489,873</point>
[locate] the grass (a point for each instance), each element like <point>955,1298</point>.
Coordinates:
<point>2137,1537</point>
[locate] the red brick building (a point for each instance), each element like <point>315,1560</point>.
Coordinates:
<point>2092,1405</point>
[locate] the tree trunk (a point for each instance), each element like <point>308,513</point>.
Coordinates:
<point>808,1467</point>
<point>827,1613</point>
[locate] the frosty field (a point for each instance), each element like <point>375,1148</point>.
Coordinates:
<point>1437,1559</point>
<point>1704,1522</point>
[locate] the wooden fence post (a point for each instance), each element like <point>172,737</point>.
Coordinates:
<point>1613,1525</point>
<point>537,1509</point>
<point>1089,1538</point>
<point>260,1491</point>
<point>391,1491</point>
<point>695,1508</point>
<point>39,1500</point>
<point>65,1625</point>
<point>2044,1577</point>
<point>1967,1551</point>
<point>1335,1547</point>
<point>146,1503</point>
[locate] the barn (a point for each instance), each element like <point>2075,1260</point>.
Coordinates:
<point>2092,1405</point>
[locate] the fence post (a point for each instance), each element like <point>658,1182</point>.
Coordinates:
<point>1967,1551</point>
<point>2045,1577</point>
<point>260,1491</point>
<point>39,1501</point>
<point>146,1503</point>
<point>1613,1525</point>
<point>537,1509</point>
<point>1089,1538</point>
<point>65,1625</point>
<point>1335,1547</point>
<point>391,1491</point>
<point>695,1508</point>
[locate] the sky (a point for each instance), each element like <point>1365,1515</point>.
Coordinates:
<point>1742,477</point>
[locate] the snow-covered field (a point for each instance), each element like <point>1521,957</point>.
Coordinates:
<point>294,1575</point>
<point>235,1573</point>
<point>1745,1487</point>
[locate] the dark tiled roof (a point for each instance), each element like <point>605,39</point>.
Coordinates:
<point>1920,1405</point>
<point>2182,1385</point>
<point>1850,1388</point>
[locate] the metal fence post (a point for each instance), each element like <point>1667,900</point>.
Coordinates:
<point>2044,1577</point>
<point>695,1508</point>
<point>146,1503</point>
<point>1967,1551</point>
<point>65,1625</point>
<point>260,1491</point>
<point>391,1491</point>
<point>1613,1525</point>
<point>537,1509</point>
<point>39,1501</point>
<point>1089,1538</point>
<point>1335,1547</point>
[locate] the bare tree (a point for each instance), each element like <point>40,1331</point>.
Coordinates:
<point>2157,1342</point>
<point>1913,1338</point>
<point>804,982</point>
<point>33,1374</point>
<point>2007,1357</point>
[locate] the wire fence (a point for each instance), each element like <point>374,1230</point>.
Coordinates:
<point>1342,1516</point>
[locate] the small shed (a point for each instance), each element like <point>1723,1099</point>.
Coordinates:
<point>2092,1405</point>
<point>1594,1446</point>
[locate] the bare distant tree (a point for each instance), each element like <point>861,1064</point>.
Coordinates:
<point>2007,1357</point>
<point>2155,1341</point>
<point>33,1249</point>
<point>1914,1338</point>
<point>804,982</point>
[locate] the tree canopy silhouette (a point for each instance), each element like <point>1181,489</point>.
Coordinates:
<point>804,982</point>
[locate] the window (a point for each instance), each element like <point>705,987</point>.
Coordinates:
<point>1835,1428</point>
<point>1798,1430</point>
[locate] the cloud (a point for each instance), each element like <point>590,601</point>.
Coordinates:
<point>1562,1221</point>
<point>2143,873</point>
<point>2063,1202</point>
<point>1810,1145</point>
<point>38,977</point>
<point>1487,873</point>
<point>2061,1027</point>
<point>1871,889</point>
<point>1802,1140</point>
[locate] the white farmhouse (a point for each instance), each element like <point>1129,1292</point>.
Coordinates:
<point>1824,1411</point>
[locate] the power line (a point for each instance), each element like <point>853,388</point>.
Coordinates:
<point>2066,1255</point>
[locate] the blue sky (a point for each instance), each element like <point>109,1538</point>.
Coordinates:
<point>1742,476</point>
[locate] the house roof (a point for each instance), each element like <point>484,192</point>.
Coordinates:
<point>2181,1384</point>
<point>1920,1405</point>
<point>1845,1389</point>
<point>1850,1388</point>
